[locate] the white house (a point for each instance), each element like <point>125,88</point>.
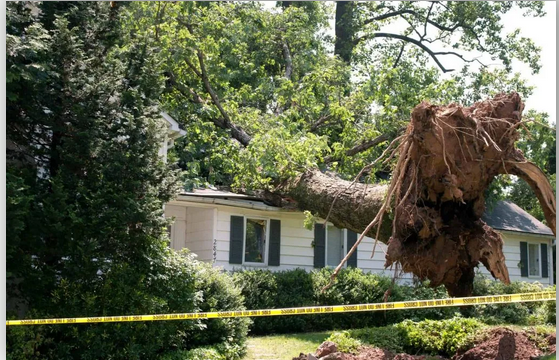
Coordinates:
<point>236,231</point>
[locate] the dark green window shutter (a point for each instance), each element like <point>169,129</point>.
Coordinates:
<point>275,243</point>
<point>319,245</point>
<point>544,260</point>
<point>351,240</point>
<point>524,258</point>
<point>236,240</point>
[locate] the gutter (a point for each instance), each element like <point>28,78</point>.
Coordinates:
<point>233,203</point>
<point>547,236</point>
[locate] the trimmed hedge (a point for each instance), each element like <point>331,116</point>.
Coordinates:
<point>293,288</point>
<point>264,289</point>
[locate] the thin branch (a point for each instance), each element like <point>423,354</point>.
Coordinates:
<point>365,145</point>
<point>410,40</point>
<point>460,56</point>
<point>399,55</point>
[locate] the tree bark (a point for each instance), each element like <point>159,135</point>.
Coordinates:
<point>355,204</point>
<point>344,30</point>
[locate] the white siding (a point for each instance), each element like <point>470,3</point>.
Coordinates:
<point>201,223</point>
<point>193,228</point>
<point>296,250</point>
<point>511,249</point>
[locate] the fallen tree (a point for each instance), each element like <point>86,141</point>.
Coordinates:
<point>430,214</point>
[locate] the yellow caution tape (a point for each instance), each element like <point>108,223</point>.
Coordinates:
<point>415,304</point>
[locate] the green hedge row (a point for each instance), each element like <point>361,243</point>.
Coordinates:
<point>264,289</point>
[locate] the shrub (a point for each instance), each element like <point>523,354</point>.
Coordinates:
<point>442,337</point>
<point>422,291</point>
<point>219,293</point>
<point>172,283</point>
<point>202,353</point>
<point>344,341</point>
<point>550,307</point>
<point>385,337</point>
<point>525,313</point>
<point>264,289</point>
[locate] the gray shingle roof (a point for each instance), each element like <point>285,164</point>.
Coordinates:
<point>506,215</point>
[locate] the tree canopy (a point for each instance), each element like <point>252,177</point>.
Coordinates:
<point>293,94</point>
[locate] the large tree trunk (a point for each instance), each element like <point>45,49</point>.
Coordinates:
<point>344,30</point>
<point>447,159</point>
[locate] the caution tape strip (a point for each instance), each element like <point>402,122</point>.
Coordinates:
<point>416,304</point>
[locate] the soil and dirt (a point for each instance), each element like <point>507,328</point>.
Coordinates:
<point>447,158</point>
<point>497,344</point>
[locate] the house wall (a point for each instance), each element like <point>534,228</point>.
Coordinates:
<point>193,228</point>
<point>511,249</point>
<point>206,222</point>
<point>296,250</point>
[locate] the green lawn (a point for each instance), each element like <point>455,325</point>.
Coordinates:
<point>283,347</point>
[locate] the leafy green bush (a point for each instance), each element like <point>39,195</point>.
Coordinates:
<point>550,307</point>
<point>344,341</point>
<point>264,289</point>
<point>385,337</point>
<point>175,283</point>
<point>442,337</point>
<point>525,313</point>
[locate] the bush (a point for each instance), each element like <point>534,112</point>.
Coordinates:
<point>263,289</point>
<point>175,283</point>
<point>345,342</point>
<point>441,337</point>
<point>385,337</point>
<point>525,313</point>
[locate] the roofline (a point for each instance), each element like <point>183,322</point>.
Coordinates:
<point>231,195</point>
<point>174,124</point>
<point>548,236</point>
<point>217,201</point>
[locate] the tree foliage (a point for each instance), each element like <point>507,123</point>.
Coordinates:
<point>277,81</point>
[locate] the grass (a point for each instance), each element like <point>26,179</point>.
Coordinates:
<point>283,347</point>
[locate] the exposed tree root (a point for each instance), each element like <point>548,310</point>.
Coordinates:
<point>446,160</point>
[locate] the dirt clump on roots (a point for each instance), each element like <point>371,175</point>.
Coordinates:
<point>447,159</point>
<point>502,344</point>
<point>368,353</point>
<point>551,343</point>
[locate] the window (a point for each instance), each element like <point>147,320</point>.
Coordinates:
<point>533,260</point>
<point>334,245</point>
<point>255,241</point>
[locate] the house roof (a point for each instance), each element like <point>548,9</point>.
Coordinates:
<point>173,126</point>
<point>508,216</point>
<point>504,215</point>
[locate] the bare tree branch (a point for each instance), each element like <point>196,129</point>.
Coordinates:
<point>410,40</point>
<point>365,145</point>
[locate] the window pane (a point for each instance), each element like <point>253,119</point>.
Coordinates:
<point>533,260</point>
<point>255,245</point>
<point>334,241</point>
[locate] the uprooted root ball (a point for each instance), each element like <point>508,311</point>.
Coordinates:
<point>447,159</point>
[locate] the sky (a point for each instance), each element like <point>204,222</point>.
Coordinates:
<point>542,32</point>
